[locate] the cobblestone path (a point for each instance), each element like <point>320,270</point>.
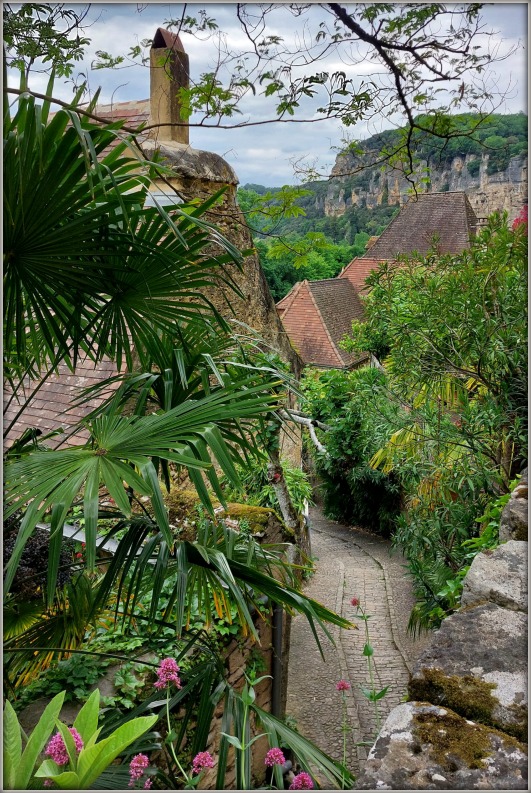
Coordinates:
<point>350,563</point>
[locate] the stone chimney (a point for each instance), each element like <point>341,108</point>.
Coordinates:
<point>169,71</point>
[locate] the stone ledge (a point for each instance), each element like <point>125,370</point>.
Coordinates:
<point>426,747</point>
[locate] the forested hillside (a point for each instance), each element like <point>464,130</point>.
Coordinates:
<point>305,233</point>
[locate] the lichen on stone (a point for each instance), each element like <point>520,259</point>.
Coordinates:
<point>454,740</point>
<point>467,695</point>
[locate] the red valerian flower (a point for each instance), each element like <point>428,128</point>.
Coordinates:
<point>274,757</point>
<point>168,672</point>
<point>202,760</point>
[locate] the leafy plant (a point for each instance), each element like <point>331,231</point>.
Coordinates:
<point>84,766</point>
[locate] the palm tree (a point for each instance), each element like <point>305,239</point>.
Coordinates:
<point>90,270</point>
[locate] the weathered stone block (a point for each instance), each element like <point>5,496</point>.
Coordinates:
<point>477,665</point>
<point>499,576</point>
<point>515,517</point>
<point>426,747</point>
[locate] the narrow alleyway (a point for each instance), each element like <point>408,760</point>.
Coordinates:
<point>351,563</point>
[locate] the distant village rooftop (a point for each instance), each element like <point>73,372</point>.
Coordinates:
<point>318,314</point>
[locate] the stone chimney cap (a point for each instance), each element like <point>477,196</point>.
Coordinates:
<point>163,39</point>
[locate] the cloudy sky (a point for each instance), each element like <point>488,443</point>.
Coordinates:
<point>265,154</point>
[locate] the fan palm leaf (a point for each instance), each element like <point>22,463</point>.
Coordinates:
<point>87,267</point>
<point>120,452</point>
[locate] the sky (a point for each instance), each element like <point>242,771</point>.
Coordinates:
<point>266,154</point>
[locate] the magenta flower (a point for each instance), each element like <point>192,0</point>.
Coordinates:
<point>48,783</point>
<point>274,757</point>
<point>168,672</point>
<point>147,784</point>
<point>137,768</point>
<point>355,602</point>
<point>56,748</point>
<point>202,760</point>
<point>302,781</point>
<point>521,220</point>
<point>342,685</point>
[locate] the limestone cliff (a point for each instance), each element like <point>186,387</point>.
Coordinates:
<point>487,192</point>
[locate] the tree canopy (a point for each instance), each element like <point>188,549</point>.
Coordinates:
<point>429,62</point>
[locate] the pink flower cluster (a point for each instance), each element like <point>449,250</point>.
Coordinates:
<point>274,757</point>
<point>56,748</point>
<point>168,672</point>
<point>202,760</point>
<point>137,768</point>
<point>342,685</point>
<point>355,602</point>
<point>521,220</point>
<point>302,781</point>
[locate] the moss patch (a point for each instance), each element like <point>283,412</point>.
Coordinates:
<point>260,519</point>
<point>468,696</point>
<point>454,741</point>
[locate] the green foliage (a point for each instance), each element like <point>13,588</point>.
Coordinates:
<point>19,765</point>
<point>45,32</point>
<point>258,491</point>
<point>74,677</point>
<point>85,767</point>
<point>353,491</point>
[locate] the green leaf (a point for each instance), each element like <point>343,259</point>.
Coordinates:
<point>94,760</point>
<point>40,734</point>
<point>233,740</point>
<point>86,722</point>
<point>12,746</point>
<point>248,696</point>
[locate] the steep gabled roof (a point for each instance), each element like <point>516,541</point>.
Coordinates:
<point>448,217</point>
<point>316,316</point>
<point>358,270</point>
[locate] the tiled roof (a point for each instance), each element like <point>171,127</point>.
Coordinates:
<point>51,407</point>
<point>316,315</point>
<point>358,270</point>
<point>133,113</point>
<point>447,216</point>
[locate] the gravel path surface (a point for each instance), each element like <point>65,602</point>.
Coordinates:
<point>351,563</point>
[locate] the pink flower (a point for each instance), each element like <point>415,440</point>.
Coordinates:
<point>521,220</point>
<point>56,748</point>
<point>354,602</point>
<point>137,768</point>
<point>147,784</point>
<point>302,781</point>
<point>202,760</point>
<point>342,685</point>
<point>274,757</point>
<point>48,783</point>
<point>168,672</point>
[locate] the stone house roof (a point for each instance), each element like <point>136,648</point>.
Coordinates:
<point>358,270</point>
<point>51,408</point>
<point>444,218</point>
<point>316,316</point>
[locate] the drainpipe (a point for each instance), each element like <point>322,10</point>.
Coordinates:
<point>276,668</point>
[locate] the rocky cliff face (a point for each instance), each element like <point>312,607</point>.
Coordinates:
<point>487,192</point>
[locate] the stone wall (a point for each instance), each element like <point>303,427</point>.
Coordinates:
<point>465,725</point>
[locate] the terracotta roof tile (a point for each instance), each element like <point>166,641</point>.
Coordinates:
<point>52,408</point>
<point>316,315</point>
<point>358,270</point>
